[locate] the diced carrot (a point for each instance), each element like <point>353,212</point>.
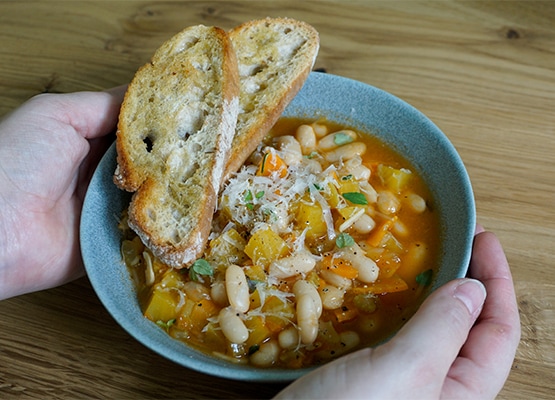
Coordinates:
<point>388,264</point>
<point>382,286</point>
<point>344,313</point>
<point>340,267</point>
<point>272,163</point>
<point>376,236</point>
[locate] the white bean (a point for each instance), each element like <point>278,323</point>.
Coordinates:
<point>232,325</point>
<point>361,173</point>
<point>349,340</point>
<point>304,288</point>
<point>290,149</point>
<point>307,319</point>
<point>307,138</point>
<point>399,228</point>
<point>320,130</point>
<point>388,203</point>
<point>336,280</point>
<point>298,263</point>
<point>416,202</point>
<point>351,220</point>
<point>415,256</point>
<point>369,191</point>
<point>367,268</point>
<point>364,224</point>
<point>345,152</point>
<point>288,338</point>
<point>332,297</point>
<point>266,355</point>
<point>312,166</point>
<point>334,140</point>
<point>237,288</point>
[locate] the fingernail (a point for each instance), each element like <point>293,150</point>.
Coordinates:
<point>472,293</point>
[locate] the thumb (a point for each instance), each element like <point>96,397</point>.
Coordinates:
<point>431,340</point>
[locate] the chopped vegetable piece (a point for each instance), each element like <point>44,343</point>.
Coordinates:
<point>365,302</point>
<point>310,216</point>
<point>345,313</point>
<point>394,179</point>
<point>266,246</point>
<point>382,286</point>
<point>162,304</point>
<point>340,267</point>
<point>377,235</point>
<point>272,164</point>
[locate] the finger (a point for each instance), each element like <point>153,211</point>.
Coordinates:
<point>90,114</point>
<point>429,343</point>
<point>486,358</point>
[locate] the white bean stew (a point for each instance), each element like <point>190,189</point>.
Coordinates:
<point>325,241</point>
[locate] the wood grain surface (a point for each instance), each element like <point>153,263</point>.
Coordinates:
<point>484,72</point>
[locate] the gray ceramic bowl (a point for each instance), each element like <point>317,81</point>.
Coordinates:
<point>338,99</point>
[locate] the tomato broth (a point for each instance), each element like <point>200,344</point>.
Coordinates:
<point>324,242</point>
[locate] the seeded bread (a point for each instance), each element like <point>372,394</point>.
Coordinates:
<point>174,134</point>
<point>275,56</point>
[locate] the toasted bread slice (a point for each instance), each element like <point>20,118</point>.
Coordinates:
<point>175,130</point>
<point>275,56</point>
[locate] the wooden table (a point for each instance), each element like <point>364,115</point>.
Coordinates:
<point>484,72</point>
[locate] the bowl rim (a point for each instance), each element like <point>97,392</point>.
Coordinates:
<point>104,202</point>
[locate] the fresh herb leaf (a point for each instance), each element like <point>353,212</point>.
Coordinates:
<point>253,349</point>
<point>355,198</point>
<point>266,155</point>
<point>344,240</point>
<point>317,186</point>
<point>341,138</point>
<point>165,325</point>
<point>201,267</point>
<point>259,195</point>
<point>248,200</point>
<point>347,177</point>
<point>424,278</point>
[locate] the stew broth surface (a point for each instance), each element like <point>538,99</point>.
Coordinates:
<point>332,239</point>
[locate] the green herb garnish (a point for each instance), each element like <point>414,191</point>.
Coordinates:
<point>356,198</point>
<point>201,267</point>
<point>259,195</point>
<point>341,138</point>
<point>344,240</point>
<point>165,325</point>
<point>424,278</point>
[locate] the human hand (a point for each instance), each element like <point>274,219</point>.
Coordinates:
<point>455,346</point>
<point>49,148</point>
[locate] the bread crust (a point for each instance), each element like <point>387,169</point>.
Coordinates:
<point>174,134</point>
<point>275,57</point>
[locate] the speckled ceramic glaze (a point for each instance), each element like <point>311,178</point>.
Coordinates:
<point>338,99</point>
